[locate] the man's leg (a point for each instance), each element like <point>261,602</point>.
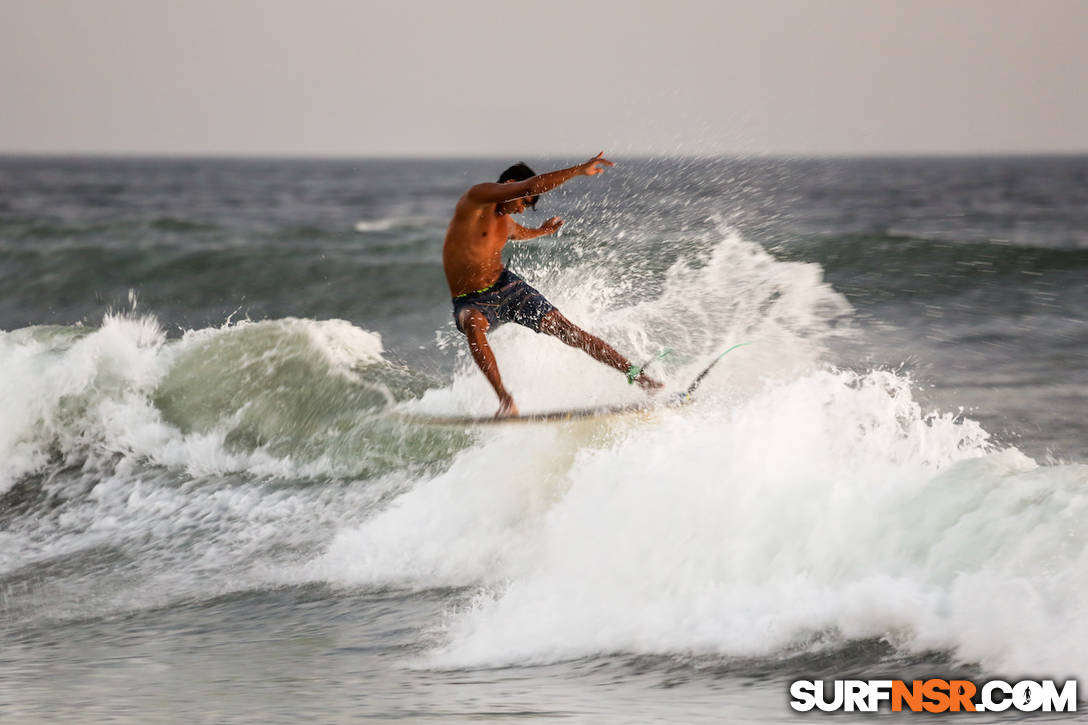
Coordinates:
<point>554,323</point>
<point>475,326</point>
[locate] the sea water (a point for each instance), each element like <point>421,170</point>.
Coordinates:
<point>210,512</point>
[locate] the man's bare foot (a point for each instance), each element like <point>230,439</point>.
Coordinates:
<point>648,384</point>
<point>507,407</point>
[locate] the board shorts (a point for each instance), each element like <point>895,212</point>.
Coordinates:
<point>510,299</point>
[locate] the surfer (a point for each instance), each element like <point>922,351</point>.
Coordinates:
<point>486,294</point>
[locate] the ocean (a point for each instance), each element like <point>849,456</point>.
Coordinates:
<point>212,511</point>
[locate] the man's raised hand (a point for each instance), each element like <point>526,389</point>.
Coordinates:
<point>596,165</point>
<point>552,225</point>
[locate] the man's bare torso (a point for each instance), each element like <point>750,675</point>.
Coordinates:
<point>482,224</point>
<point>472,253</point>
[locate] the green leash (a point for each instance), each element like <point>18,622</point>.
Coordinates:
<point>700,376</point>
<point>635,370</point>
<point>739,344</point>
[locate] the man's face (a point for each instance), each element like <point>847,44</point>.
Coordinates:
<point>517,206</point>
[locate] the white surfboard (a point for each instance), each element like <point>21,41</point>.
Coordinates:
<point>570,414</point>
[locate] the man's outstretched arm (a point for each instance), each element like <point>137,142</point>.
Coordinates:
<point>549,227</point>
<point>493,193</point>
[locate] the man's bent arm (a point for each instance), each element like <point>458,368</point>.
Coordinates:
<point>523,233</point>
<point>493,193</point>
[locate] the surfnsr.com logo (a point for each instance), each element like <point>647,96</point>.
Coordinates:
<point>933,696</point>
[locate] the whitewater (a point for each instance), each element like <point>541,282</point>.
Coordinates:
<point>796,507</point>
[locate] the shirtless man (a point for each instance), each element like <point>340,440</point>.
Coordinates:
<point>486,294</point>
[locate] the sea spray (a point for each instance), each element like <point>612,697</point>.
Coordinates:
<point>795,505</point>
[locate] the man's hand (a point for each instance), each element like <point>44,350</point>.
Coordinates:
<point>551,226</point>
<point>595,165</point>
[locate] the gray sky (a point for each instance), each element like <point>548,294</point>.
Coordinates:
<point>468,77</point>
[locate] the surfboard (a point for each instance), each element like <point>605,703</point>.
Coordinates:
<point>544,416</point>
<point>556,416</point>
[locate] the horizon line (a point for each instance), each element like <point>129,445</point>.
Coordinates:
<point>732,155</point>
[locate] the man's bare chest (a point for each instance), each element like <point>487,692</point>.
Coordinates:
<point>490,233</point>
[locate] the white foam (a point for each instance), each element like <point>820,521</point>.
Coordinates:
<point>377,225</point>
<point>828,506</point>
<point>794,504</point>
<point>185,511</point>
<point>89,394</point>
<point>345,346</point>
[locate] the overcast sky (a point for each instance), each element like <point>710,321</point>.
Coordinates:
<point>467,77</point>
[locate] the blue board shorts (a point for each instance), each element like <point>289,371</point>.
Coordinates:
<point>510,299</point>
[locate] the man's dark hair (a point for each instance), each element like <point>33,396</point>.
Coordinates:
<point>520,172</point>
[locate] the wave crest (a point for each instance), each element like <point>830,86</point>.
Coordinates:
<point>279,397</point>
